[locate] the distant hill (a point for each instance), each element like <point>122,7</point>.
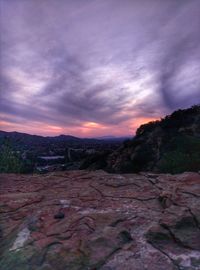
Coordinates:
<point>26,141</point>
<point>169,145</point>
<point>113,138</point>
<point>28,137</point>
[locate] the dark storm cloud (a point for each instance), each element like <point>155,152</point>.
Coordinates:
<point>70,62</point>
<point>182,51</point>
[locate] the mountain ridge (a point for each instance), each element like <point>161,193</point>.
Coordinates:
<point>60,137</point>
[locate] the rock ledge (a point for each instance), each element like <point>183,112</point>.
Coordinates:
<point>103,221</point>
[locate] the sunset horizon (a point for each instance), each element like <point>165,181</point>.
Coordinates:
<point>88,129</point>
<point>96,69</point>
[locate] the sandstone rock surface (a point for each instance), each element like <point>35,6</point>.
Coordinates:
<point>83,220</point>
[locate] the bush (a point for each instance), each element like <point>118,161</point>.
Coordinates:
<point>184,155</point>
<point>9,160</point>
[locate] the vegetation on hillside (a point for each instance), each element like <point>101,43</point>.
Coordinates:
<point>11,161</point>
<point>171,145</point>
<point>182,155</point>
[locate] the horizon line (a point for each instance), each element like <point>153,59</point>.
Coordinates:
<point>45,136</point>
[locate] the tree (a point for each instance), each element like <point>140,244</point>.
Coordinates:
<point>10,161</point>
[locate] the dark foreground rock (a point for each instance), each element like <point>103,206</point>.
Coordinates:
<point>103,221</point>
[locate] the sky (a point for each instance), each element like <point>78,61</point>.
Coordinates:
<point>93,68</point>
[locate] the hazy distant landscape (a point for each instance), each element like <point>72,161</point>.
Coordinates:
<point>171,145</point>
<point>24,153</point>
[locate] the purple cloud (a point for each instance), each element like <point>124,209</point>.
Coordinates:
<point>109,62</point>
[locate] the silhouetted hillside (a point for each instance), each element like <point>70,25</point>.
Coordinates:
<point>23,140</point>
<point>169,145</point>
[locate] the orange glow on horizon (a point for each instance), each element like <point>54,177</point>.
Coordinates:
<point>141,121</point>
<point>86,129</point>
<point>91,125</point>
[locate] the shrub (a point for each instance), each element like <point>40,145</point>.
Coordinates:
<point>184,155</point>
<point>9,160</point>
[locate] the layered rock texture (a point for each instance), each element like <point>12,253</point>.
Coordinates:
<point>82,220</point>
<point>171,145</point>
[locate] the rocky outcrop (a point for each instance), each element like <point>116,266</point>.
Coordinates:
<point>171,145</point>
<point>95,220</point>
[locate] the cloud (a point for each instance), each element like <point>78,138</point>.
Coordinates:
<point>113,64</point>
<point>179,65</point>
